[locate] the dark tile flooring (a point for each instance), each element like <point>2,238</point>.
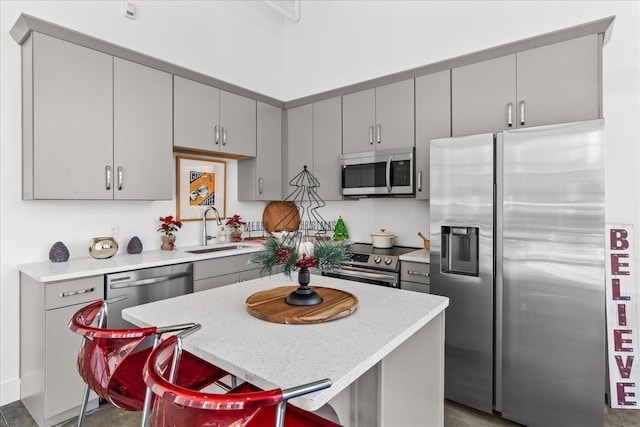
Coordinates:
<point>455,415</point>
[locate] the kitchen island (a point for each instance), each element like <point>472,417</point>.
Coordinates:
<point>386,360</point>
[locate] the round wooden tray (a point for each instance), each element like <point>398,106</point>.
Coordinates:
<point>278,216</point>
<point>269,305</point>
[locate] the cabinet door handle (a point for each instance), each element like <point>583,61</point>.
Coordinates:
<point>419,180</point>
<point>72,293</point>
<point>107,176</point>
<point>217,134</point>
<point>510,114</point>
<point>417,273</point>
<point>120,173</point>
<point>521,113</point>
<point>371,134</point>
<point>379,133</point>
<point>224,135</point>
<point>260,185</point>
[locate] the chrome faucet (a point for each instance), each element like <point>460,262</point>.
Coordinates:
<point>206,238</point>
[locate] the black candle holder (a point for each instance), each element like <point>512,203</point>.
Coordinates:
<point>303,295</point>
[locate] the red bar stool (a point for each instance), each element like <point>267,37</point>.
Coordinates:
<point>111,361</point>
<point>176,405</point>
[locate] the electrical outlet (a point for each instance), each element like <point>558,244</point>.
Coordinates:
<point>114,230</point>
<point>129,10</point>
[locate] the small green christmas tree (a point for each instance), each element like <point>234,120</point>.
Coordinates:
<point>340,231</point>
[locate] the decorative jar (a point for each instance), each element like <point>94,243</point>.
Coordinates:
<point>168,242</point>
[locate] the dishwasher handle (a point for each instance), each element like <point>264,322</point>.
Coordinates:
<point>149,281</point>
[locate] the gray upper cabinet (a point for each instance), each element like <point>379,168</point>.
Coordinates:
<point>299,143</point>
<point>378,119</point>
<point>95,126</point>
<point>210,119</point>
<point>481,95</point>
<point>142,128</point>
<point>237,124</point>
<point>327,146</point>
<point>314,139</point>
<point>67,120</point>
<point>196,114</point>
<point>260,178</point>
<point>433,120</point>
<point>557,83</point>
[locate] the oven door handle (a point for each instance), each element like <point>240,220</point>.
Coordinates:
<point>359,274</point>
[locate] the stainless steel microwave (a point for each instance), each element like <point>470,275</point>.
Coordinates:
<point>378,173</point>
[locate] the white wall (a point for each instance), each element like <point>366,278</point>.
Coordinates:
<point>248,44</point>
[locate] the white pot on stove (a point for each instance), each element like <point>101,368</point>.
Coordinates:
<point>382,239</point>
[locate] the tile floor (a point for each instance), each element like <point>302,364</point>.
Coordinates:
<point>455,415</point>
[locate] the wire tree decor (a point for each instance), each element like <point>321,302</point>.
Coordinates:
<point>305,197</point>
<point>306,247</point>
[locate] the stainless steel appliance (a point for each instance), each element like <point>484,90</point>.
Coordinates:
<point>377,266</point>
<point>517,244</point>
<point>378,173</point>
<point>143,286</point>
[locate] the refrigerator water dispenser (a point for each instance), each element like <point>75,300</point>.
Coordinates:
<point>459,254</point>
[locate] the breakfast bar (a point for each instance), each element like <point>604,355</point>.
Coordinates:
<point>386,359</point>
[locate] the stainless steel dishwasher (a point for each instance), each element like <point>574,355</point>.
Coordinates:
<point>143,286</point>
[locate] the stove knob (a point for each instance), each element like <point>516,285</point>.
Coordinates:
<point>377,260</point>
<point>387,260</point>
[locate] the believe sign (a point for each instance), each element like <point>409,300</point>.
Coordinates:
<point>622,318</point>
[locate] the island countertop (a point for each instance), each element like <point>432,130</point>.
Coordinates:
<point>271,355</point>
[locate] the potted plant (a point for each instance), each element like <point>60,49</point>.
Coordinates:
<point>168,226</point>
<point>236,223</point>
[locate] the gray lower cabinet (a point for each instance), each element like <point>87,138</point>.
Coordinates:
<point>216,272</point>
<point>379,119</point>
<point>94,126</point>
<point>433,120</point>
<point>51,388</point>
<point>557,83</point>
<point>414,276</point>
<point>209,119</point>
<point>260,178</point>
<point>314,139</point>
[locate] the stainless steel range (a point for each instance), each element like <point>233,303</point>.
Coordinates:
<point>376,266</point>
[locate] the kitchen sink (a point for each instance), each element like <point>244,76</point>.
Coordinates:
<point>206,250</point>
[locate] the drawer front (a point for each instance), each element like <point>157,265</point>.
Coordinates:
<point>219,266</point>
<point>78,291</point>
<point>415,272</point>
<point>215,282</point>
<point>415,287</point>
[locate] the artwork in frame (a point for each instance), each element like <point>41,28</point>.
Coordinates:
<point>201,183</point>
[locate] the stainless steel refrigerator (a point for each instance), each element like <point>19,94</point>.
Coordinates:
<point>517,244</point>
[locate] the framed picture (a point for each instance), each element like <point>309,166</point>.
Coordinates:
<point>201,183</point>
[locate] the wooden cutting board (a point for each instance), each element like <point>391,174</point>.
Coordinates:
<point>269,305</point>
<point>278,216</point>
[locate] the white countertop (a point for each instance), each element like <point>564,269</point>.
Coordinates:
<point>84,267</point>
<point>271,355</point>
<point>421,255</point>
